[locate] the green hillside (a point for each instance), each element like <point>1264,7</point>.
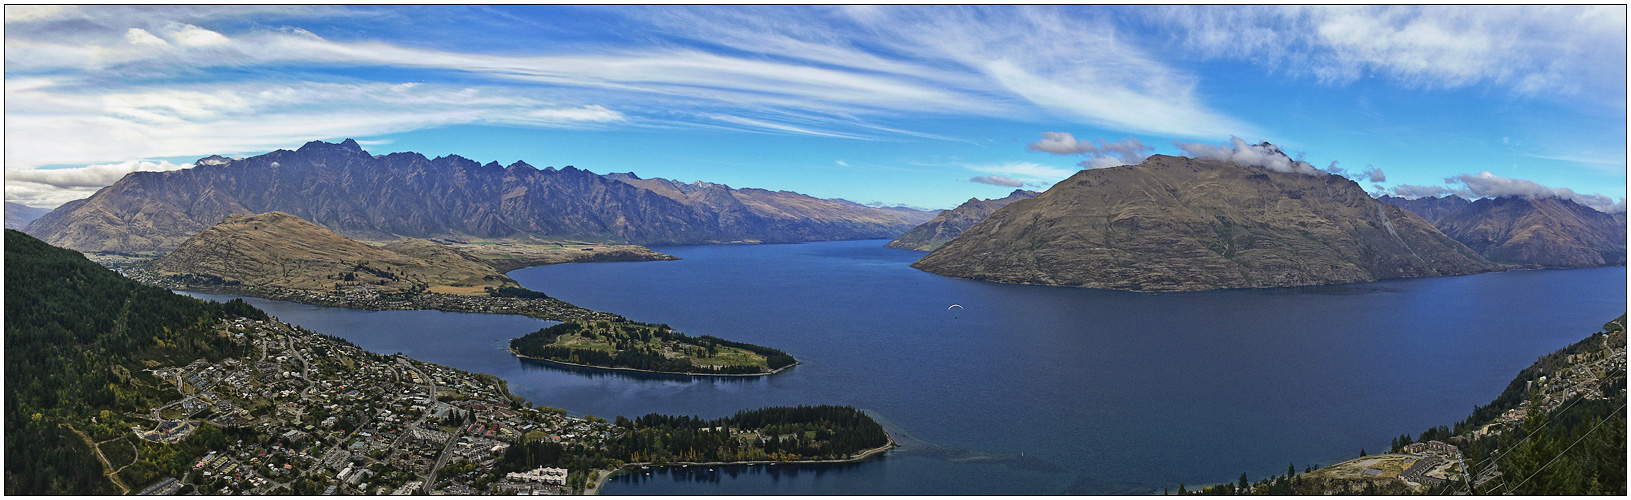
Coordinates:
<point>77,339</point>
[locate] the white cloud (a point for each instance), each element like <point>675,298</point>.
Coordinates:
<point>52,187</point>
<point>48,125</point>
<point>997,180</point>
<point>1532,50</point>
<point>1129,151</point>
<point>1237,151</point>
<point>1374,174</point>
<point>187,35</point>
<point>1488,185</point>
<point>1412,191</point>
<point>138,36</point>
<point>1024,169</point>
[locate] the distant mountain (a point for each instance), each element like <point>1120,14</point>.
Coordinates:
<point>1173,223</point>
<point>1431,209</point>
<point>912,215</point>
<point>1544,232</point>
<point>19,215</point>
<point>280,250</point>
<point>950,223</point>
<point>386,197</point>
<point>751,214</point>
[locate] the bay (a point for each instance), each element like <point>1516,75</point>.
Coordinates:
<point>1027,389</point>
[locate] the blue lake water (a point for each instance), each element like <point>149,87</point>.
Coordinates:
<point>1028,389</point>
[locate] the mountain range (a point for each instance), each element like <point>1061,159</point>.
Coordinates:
<point>950,223</point>
<point>19,215</point>
<point>1174,223</point>
<point>1430,208</point>
<point>1538,232</point>
<point>386,197</point>
<point>1527,231</point>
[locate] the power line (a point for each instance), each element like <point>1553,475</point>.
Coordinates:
<point>1550,417</point>
<point>1571,446</point>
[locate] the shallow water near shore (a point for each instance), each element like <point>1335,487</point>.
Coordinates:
<point>1026,389</point>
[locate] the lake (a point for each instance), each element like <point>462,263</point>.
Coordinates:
<point>1027,389</point>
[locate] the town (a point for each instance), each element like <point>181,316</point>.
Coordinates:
<point>322,416</point>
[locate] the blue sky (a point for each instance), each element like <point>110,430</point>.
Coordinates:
<point>901,105</point>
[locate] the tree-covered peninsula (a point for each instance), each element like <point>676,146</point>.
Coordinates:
<point>634,345</point>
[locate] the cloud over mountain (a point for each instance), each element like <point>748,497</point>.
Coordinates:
<point>1129,151</point>
<point>1237,151</point>
<point>997,180</point>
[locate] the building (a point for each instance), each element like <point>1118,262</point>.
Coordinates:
<point>545,475</point>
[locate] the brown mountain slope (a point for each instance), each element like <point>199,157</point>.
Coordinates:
<point>283,251</point>
<point>1545,232</point>
<point>1173,223</point>
<point>388,197</point>
<point>950,223</point>
<point>1431,209</point>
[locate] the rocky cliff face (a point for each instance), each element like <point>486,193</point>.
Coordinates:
<point>1431,209</point>
<point>1174,224</point>
<point>1544,232</point>
<point>280,250</point>
<point>950,223</point>
<point>385,197</point>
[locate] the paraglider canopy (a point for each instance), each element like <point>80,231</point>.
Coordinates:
<point>954,305</point>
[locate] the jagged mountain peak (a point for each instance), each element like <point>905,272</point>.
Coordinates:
<point>340,187</point>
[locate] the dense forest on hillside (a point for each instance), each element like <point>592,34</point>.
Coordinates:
<point>77,339</point>
<point>644,346</point>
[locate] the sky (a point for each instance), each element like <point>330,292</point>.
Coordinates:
<point>900,105</point>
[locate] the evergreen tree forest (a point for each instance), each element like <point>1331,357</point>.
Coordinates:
<point>77,338</point>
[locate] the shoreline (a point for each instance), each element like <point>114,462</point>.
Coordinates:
<point>338,302</point>
<point>863,456</point>
<point>546,360</point>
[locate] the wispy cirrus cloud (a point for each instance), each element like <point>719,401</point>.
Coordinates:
<point>997,180</point>
<point>1530,50</point>
<point>48,124</point>
<point>826,72</point>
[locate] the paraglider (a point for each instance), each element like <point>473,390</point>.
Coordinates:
<point>954,306</point>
